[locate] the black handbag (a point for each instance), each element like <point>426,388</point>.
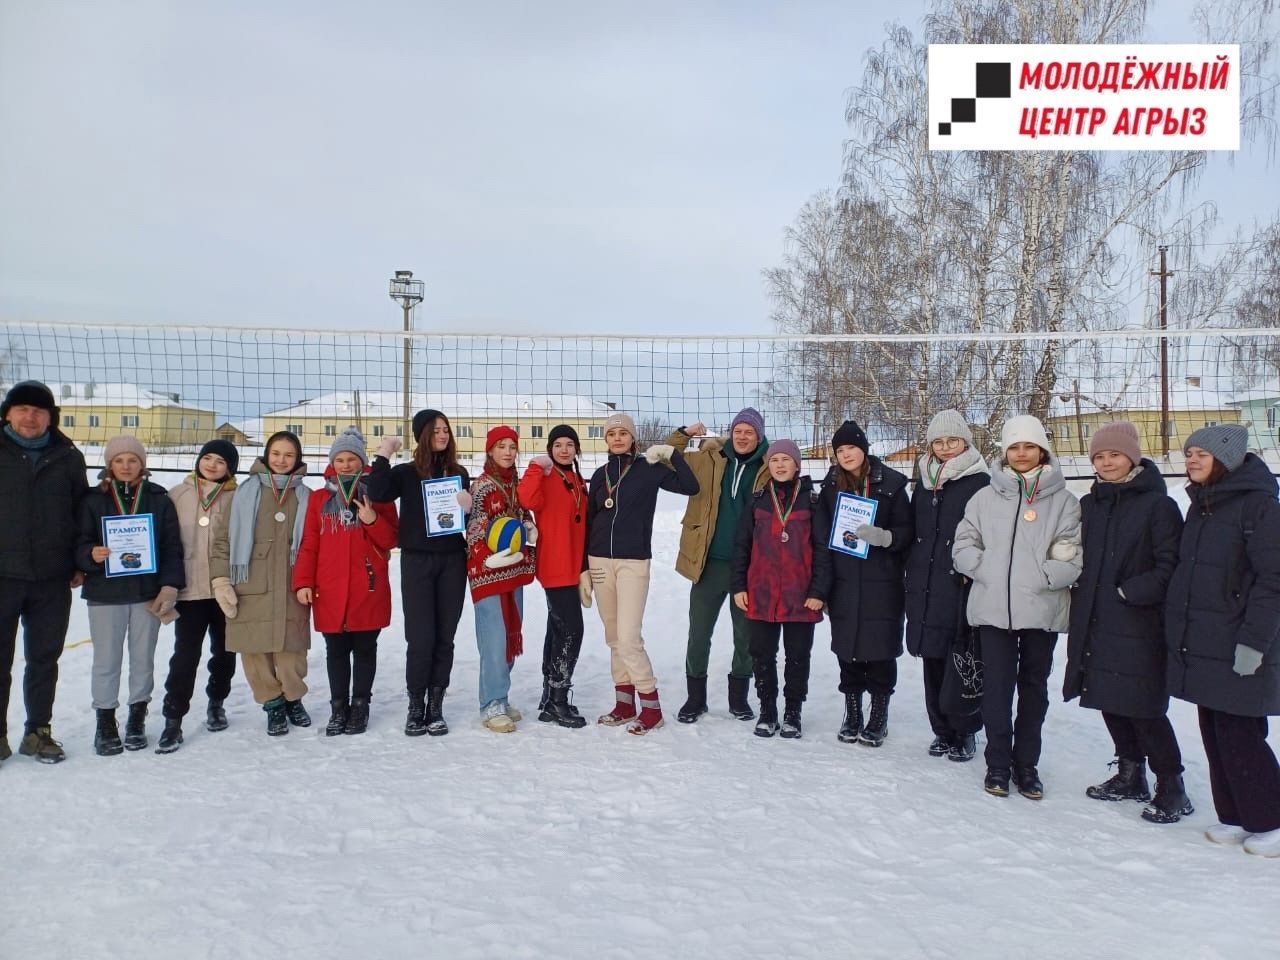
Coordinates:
<point>961,695</point>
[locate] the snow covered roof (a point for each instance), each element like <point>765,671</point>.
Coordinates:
<point>1111,397</point>
<point>116,395</point>
<point>390,405</point>
<point>1270,397</point>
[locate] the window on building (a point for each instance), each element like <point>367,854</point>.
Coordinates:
<point>463,432</point>
<point>95,420</point>
<point>399,429</point>
<point>1211,423</point>
<point>595,433</point>
<point>1271,417</point>
<point>294,428</point>
<point>377,429</point>
<point>128,420</point>
<point>68,421</point>
<point>536,430</point>
<point>330,430</point>
<point>1084,431</point>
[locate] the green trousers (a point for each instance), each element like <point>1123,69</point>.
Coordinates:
<point>706,597</point>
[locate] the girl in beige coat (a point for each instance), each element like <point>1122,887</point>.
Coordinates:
<point>252,567</point>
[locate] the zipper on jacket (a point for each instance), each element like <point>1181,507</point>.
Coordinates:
<point>1008,587</point>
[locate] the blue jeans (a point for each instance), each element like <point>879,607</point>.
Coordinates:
<point>491,640</point>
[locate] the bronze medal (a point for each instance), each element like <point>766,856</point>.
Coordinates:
<point>1029,516</point>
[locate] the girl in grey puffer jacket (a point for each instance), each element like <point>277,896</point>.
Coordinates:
<point>1019,542</point>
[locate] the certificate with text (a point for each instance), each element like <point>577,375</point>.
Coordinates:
<point>441,508</point>
<point>852,511</point>
<point>132,542</point>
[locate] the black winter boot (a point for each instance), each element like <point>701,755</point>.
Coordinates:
<point>941,746</point>
<point>171,737</point>
<point>106,739</point>
<point>696,705</point>
<point>852,725</point>
<point>135,728</point>
<point>297,713</point>
<point>357,716</point>
<point>997,781</point>
<point>767,725</point>
<point>963,748</point>
<point>435,712</point>
<point>791,721</point>
<point>337,724</point>
<point>544,714</point>
<point>415,722</point>
<point>277,717</point>
<point>1171,802</point>
<point>877,727</point>
<point>1029,784</point>
<point>739,705</point>
<point>564,713</point>
<point>215,718</point>
<point>1130,783</point>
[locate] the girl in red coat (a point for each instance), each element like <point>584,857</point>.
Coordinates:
<point>556,493</point>
<point>341,573</point>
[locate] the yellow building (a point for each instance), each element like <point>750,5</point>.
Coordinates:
<point>93,413</point>
<point>380,414</point>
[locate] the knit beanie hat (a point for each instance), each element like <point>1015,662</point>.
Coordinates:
<point>948,423</point>
<point>752,418</point>
<point>28,393</point>
<point>224,449</point>
<point>1024,429</point>
<point>561,431</point>
<point>500,432</point>
<point>1227,443</point>
<point>421,419</point>
<point>622,420</point>
<point>850,435</point>
<point>1121,436</point>
<point>350,440</point>
<point>124,444</point>
<point>787,448</point>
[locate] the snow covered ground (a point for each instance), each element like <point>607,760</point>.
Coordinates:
<point>696,841</point>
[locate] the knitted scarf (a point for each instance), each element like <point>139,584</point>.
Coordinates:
<point>244,518</point>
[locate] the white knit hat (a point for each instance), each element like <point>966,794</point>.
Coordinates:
<point>948,423</point>
<point>1024,429</point>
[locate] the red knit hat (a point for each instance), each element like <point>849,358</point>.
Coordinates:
<point>500,432</point>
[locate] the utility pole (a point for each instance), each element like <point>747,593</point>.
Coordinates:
<point>408,292</point>
<point>1164,274</point>
<point>1084,449</point>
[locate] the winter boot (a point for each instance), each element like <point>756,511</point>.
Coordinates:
<point>852,725</point>
<point>171,737</point>
<point>624,707</point>
<point>1226,833</point>
<point>963,748</point>
<point>650,717</point>
<point>297,713</point>
<point>415,722</point>
<point>767,725</point>
<point>1266,844</point>
<point>106,739</point>
<point>1130,783</point>
<point>357,716</point>
<point>135,728</point>
<point>436,726</point>
<point>1171,802</point>
<point>39,743</point>
<point>1029,784</point>
<point>739,705</point>
<point>277,717</point>
<point>215,718</point>
<point>5,752</point>
<point>337,724</point>
<point>941,746</point>
<point>997,781</point>
<point>791,722</point>
<point>696,705</point>
<point>877,727</point>
<point>564,713</point>
<point>494,717</point>
<point>544,711</point>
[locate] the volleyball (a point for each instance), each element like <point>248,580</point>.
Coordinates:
<point>506,535</point>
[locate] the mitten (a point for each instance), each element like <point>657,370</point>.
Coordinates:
<point>496,561</point>
<point>1063,550</point>
<point>1248,660</point>
<point>543,461</point>
<point>530,533</point>
<point>164,602</point>
<point>876,536</point>
<point>389,446</point>
<point>464,501</point>
<point>584,588</point>
<point>659,452</point>
<point>225,594</point>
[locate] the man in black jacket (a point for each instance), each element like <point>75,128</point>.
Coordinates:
<point>42,478</point>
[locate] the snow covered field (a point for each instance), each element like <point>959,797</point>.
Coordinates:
<point>697,841</point>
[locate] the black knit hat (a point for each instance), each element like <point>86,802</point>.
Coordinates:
<point>28,393</point>
<point>421,419</point>
<point>224,449</point>
<point>850,435</point>
<point>561,431</point>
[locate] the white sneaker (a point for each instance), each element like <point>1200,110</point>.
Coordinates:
<point>1226,833</point>
<point>494,717</point>
<point>1264,844</point>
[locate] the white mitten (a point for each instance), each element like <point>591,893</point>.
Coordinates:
<point>530,533</point>
<point>389,446</point>
<point>496,561</point>
<point>876,536</point>
<point>659,452</point>
<point>544,462</point>
<point>1063,550</point>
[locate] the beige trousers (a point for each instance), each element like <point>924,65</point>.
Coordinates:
<point>273,674</point>
<point>621,589</point>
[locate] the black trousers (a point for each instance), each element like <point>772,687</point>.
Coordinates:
<point>433,588</point>
<point>943,724</point>
<point>797,643</point>
<point>1243,773</point>
<point>351,659</point>
<point>196,618</point>
<point>868,676</point>
<point>44,609</point>
<point>563,642</point>
<point>1146,738</point>
<point>1015,660</point>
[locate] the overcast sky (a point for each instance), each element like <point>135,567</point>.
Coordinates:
<point>544,167</point>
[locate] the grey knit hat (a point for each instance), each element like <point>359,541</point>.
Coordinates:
<point>1226,443</point>
<point>948,423</point>
<point>350,440</point>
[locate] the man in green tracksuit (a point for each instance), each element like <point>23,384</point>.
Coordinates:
<point>727,479</point>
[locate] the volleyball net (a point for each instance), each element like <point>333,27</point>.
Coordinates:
<point>176,387</point>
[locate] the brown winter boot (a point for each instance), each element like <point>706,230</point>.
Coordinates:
<point>625,707</point>
<point>650,715</point>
